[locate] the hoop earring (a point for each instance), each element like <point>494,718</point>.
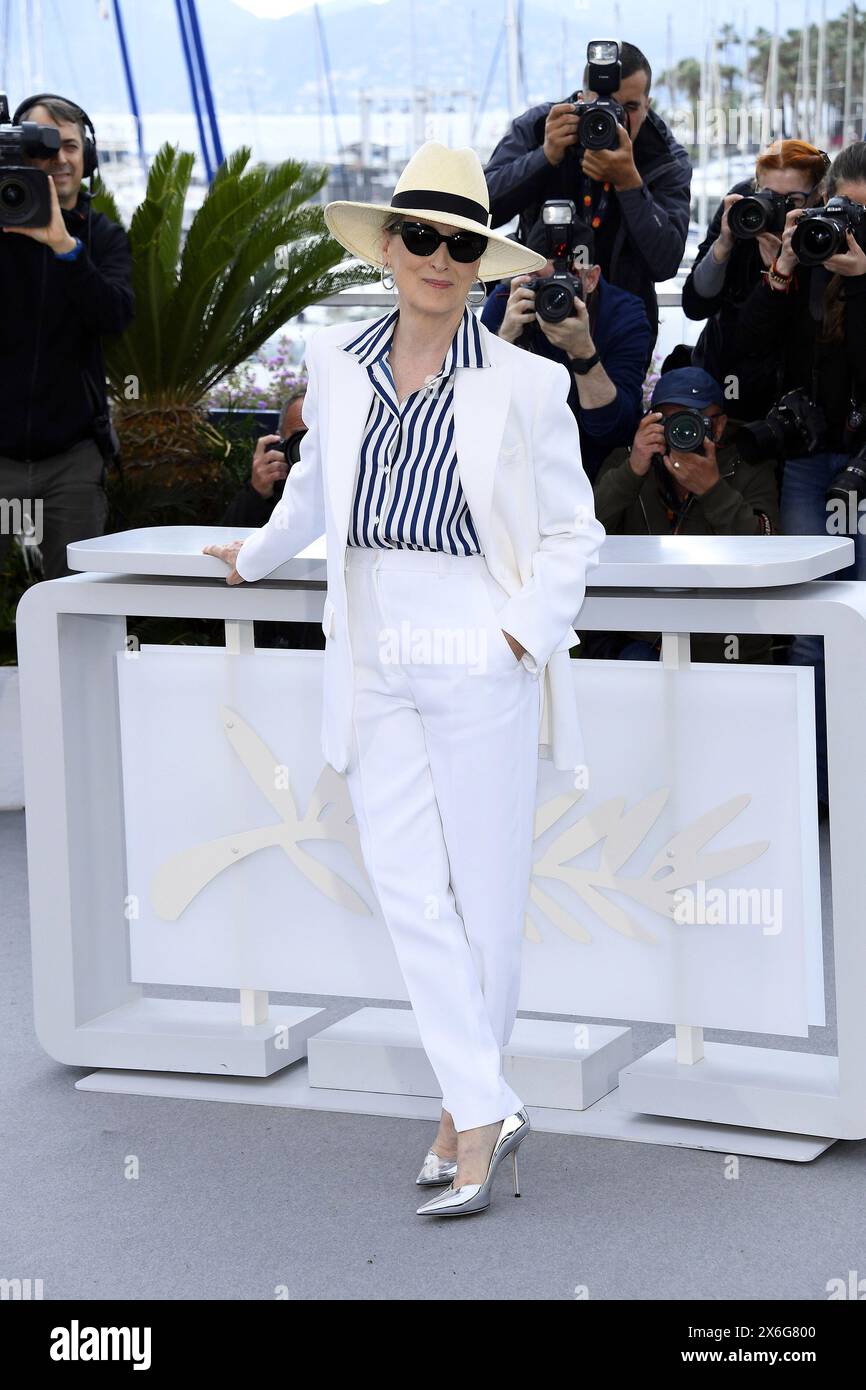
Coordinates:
<point>389,283</point>
<point>477,294</point>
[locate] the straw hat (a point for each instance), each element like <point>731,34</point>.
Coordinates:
<point>440,185</point>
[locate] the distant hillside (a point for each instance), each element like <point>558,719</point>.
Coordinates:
<point>270,66</point>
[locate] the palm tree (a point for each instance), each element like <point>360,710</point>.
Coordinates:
<point>255,255</point>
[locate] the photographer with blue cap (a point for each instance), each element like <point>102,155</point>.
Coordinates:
<point>681,476</point>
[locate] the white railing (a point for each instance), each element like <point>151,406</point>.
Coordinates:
<point>378,298</point>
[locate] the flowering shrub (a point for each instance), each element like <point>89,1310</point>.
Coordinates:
<point>263,382</point>
<point>650,379</point>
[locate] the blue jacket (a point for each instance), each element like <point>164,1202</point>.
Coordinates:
<point>621,336</point>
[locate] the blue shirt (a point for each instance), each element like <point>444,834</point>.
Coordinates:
<point>621,335</point>
<point>408,493</point>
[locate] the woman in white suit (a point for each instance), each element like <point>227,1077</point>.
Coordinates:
<point>443,464</point>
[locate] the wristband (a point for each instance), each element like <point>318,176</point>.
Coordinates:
<point>774,276</point>
<point>582,365</point>
<point>70,255</point>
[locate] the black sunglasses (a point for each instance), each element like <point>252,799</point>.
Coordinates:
<point>423,240</point>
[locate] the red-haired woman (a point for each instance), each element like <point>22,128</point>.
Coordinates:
<point>727,269</point>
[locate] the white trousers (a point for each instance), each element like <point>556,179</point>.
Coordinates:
<point>442,777</point>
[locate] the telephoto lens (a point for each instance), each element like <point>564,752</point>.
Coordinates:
<point>598,126</point>
<point>757,213</point>
<point>554,296</point>
<point>822,232</point>
<point>686,431</point>
<point>852,479</point>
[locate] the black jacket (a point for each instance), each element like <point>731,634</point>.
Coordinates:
<point>778,347</point>
<point>654,219</point>
<point>716,349</point>
<point>249,508</point>
<point>53,314</point>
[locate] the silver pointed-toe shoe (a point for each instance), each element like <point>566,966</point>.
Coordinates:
<point>436,1171</point>
<point>475,1196</point>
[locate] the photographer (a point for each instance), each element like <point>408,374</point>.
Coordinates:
<point>808,316</point>
<point>253,503</point>
<point>62,285</point>
<point>599,332</point>
<point>743,239</point>
<point>704,489</point>
<point>636,196</point>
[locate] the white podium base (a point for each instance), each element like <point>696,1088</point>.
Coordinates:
<point>607,1119</point>
<point>379,1049</point>
<point>731,1081</point>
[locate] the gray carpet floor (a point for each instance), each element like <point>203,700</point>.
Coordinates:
<point>244,1201</point>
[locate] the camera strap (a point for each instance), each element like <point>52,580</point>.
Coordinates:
<point>596,207</point>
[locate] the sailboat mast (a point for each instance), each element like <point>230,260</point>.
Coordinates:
<point>849,77</point>
<point>820,115</point>
<point>513,57</point>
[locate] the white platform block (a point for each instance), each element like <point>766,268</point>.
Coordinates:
<point>380,1050</point>
<point>207,1037</point>
<point>734,1085</point>
<point>11,765</point>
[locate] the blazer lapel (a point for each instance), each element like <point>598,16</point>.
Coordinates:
<point>481,400</point>
<point>350,394</point>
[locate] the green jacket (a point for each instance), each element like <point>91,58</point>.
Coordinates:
<point>744,502</point>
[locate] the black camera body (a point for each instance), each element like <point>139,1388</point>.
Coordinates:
<point>599,119</point>
<point>554,294</point>
<point>290,448</point>
<point>852,479</point>
<point>25,192</point>
<point>795,427</point>
<point>686,431</point>
<point>821,232</point>
<point>756,213</point>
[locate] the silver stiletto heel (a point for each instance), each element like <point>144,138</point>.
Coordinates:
<point>436,1171</point>
<point>474,1196</point>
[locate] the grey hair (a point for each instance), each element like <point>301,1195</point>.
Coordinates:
<point>60,110</point>
<point>297,393</point>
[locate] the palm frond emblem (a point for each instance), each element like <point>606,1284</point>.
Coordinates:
<point>330,816</point>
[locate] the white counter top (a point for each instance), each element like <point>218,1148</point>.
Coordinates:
<point>626,562</point>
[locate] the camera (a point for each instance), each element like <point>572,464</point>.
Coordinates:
<point>820,232</point>
<point>599,119</point>
<point>25,193</point>
<point>554,294</point>
<point>851,479</point>
<point>795,427</point>
<point>290,448</point>
<point>758,212</point>
<point>686,431</point>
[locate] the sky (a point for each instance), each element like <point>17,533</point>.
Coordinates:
<point>276,9</point>
<point>759,11</point>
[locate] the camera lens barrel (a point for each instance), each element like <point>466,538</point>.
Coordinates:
<point>685,431</point>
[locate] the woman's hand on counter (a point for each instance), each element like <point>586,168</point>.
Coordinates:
<point>227,553</point>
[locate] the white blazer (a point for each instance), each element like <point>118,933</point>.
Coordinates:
<point>531,502</point>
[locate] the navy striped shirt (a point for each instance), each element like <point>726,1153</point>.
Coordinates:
<point>408,493</point>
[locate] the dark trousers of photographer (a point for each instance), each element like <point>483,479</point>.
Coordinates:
<point>804,513</point>
<point>64,498</point>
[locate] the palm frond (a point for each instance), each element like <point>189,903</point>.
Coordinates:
<point>256,255</point>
